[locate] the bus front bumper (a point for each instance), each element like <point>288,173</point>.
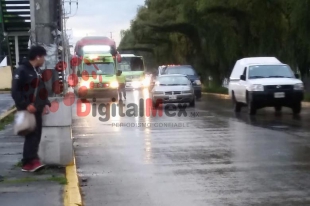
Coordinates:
<point>84,93</point>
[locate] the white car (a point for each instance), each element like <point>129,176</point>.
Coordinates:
<point>260,82</point>
<point>173,88</point>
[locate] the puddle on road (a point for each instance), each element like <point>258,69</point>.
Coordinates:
<point>280,127</point>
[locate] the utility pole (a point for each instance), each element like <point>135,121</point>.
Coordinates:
<point>44,32</point>
<point>43,21</point>
<point>46,23</point>
<point>66,54</point>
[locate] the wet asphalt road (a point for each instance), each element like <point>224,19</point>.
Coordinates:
<point>6,102</point>
<point>215,158</point>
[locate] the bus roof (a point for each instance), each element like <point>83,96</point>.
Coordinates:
<point>96,40</point>
<point>128,55</point>
<point>98,54</point>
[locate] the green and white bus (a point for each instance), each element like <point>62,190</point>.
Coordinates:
<point>97,73</point>
<point>134,69</point>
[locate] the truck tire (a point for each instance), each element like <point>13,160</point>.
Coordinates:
<point>251,106</point>
<point>297,108</point>
<point>237,105</point>
<point>192,103</point>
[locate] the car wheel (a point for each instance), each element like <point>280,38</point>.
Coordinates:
<point>155,104</point>
<point>251,107</point>
<point>278,108</point>
<point>115,99</point>
<point>237,105</point>
<point>198,96</point>
<point>297,108</point>
<point>192,103</point>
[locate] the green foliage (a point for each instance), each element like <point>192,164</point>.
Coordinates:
<point>307,97</point>
<point>216,90</point>
<point>6,121</point>
<point>213,34</point>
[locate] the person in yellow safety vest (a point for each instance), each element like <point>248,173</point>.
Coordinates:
<point>121,84</point>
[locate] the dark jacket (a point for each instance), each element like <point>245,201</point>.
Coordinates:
<point>24,83</point>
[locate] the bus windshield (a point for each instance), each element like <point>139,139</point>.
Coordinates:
<point>131,64</point>
<point>106,68</point>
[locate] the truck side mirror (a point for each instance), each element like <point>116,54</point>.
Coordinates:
<point>297,76</point>
<point>242,77</point>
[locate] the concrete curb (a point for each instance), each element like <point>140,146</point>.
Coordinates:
<point>72,196</point>
<point>7,113</point>
<point>223,96</point>
<point>5,92</point>
<point>226,96</point>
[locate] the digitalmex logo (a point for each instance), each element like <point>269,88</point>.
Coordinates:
<point>143,109</point>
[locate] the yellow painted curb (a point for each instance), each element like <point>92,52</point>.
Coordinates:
<point>72,196</point>
<point>223,96</point>
<point>7,113</point>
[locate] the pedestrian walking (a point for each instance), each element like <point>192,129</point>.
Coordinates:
<point>29,93</point>
<point>121,84</point>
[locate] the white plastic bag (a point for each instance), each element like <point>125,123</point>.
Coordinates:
<point>24,123</point>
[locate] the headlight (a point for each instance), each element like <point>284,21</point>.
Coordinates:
<point>257,88</point>
<point>198,82</point>
<point>146,82</point>
<point>85,84</point>
<point>157,92</point>
<point>114,84</point>
<point>135,84</point>
<point>299,86</point>
<point>187,92</point>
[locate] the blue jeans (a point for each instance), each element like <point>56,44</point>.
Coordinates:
<point>121,90</point>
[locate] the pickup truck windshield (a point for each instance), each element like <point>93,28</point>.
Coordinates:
<point>270,71</point>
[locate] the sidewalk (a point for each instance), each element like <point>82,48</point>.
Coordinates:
<point>29,189</point>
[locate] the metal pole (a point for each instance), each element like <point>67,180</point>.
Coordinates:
<point>16,51</point>
<point>43,22</point>
<point>63,27</point>
<point>33,22</point>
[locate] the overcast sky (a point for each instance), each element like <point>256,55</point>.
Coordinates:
<point>100,17</point>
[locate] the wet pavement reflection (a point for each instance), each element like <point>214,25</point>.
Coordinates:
<point>209,157</point>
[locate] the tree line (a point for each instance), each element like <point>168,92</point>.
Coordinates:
<point>212,34</point>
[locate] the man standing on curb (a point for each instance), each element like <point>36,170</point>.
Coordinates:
<point>29,93</point>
